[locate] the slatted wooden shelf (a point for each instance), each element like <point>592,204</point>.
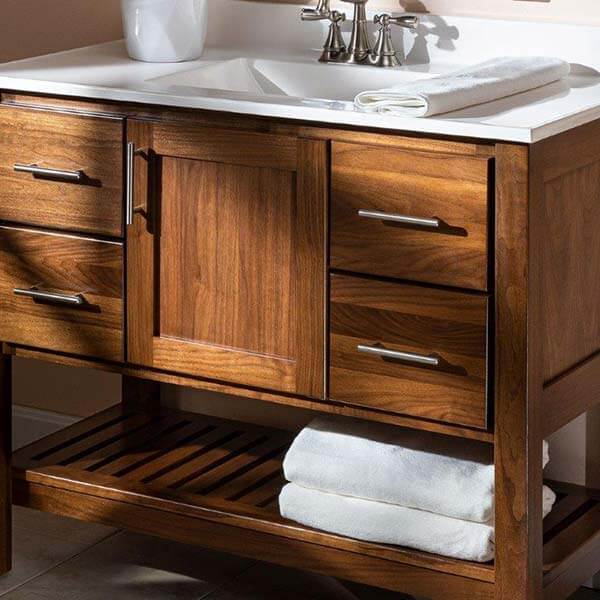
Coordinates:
<point>172,471</point>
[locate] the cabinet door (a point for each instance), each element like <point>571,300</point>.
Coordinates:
<point>226,256</point>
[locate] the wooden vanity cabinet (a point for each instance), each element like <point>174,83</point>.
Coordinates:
<point>261,259</point>
<point>226,256</point>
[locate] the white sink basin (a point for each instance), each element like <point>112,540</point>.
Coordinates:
<point>264,77</point>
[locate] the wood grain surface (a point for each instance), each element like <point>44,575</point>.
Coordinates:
<point>453,189</point>
<point>64,264</point>
<point>92,144</point>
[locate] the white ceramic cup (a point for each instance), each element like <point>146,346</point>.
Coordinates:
<point>165,30</point>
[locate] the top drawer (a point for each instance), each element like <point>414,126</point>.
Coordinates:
<point>87,192</point>
<point>412,215</point>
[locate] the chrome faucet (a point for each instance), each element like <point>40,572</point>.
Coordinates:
<point>359,50</point>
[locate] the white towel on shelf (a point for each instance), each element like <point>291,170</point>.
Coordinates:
<point>436,473</point>
<point>473,85</point>
<point>383,523</point>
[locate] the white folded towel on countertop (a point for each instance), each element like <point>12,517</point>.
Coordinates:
<point>436,473</point>
<point>390,524</point>
<point>473,85</point>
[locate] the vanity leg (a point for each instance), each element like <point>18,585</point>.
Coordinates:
<point>5,463</point>
<point>519,378</point>
<point>140,393</point>
<point>593,459</point>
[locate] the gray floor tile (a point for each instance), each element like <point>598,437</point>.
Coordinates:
<point>132,567</point>
<point>269,582</point>
<point>42,541</point>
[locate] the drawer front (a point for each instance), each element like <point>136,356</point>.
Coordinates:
<point>83,314</point>
<point>409,349</point>
<point>80,187</point>
<point>411,215</point>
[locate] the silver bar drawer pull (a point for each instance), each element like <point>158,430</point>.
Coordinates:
<point>46,172</point>
<point>420,359</point>
<point>405,219</point>
<point>35,294</point>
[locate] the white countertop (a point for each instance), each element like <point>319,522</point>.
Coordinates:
<point>105,72</point>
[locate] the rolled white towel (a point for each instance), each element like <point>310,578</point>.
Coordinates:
<point>436,473</point>
<point>491,80</point>
<point>390,524</point>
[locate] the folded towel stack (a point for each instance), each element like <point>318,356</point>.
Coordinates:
<point>492,80</point>
<point>394,486</point>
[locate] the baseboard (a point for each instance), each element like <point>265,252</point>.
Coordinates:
<point>31,424</point>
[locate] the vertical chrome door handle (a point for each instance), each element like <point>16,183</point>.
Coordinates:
<point>129,191</point>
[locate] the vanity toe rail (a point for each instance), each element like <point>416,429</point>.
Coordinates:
<point>216,483</point>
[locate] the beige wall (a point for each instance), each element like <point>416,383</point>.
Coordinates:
<point>34,27</point>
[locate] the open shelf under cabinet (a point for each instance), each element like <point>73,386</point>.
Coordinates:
<point>200,480</point>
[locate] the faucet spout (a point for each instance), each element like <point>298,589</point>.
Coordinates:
<point>360,46</point>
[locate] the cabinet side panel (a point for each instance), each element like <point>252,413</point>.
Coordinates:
<point>570,168</point>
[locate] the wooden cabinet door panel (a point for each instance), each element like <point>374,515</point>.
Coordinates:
<point>226,257</point>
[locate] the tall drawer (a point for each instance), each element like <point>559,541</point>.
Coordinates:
<point>409,349</point>
<point>61,293</point>
<point>411,215</point>
<point>61,171</point>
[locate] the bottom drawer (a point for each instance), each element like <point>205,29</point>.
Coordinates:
<point>409,349</point>
<point>62,293</point>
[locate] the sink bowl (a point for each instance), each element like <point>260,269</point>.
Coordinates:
<point>264,77</point>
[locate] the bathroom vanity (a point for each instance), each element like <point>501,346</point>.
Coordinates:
<point>297,253</point>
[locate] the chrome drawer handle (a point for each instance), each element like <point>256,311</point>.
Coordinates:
<point>405,219</point>
<point>35,294</point>
<point>407,356</point>
<point>45,172</point>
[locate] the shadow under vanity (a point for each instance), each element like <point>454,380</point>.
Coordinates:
<point>411,280</point>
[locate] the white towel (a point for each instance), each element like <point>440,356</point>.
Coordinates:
<point>430,472</point>
<point>477,84</point>
<point>389,524</point>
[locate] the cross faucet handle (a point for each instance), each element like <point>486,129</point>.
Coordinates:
<point>385,20</point>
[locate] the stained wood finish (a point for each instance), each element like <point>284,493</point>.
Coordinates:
<point>93,145</point>
<point>65,264</point>
<point>199,468</point>
<point>518,439</point>
<point>318,406</point>
<point>229,268</point>
<point>571,395</point>
<point>140,394</point>
<point>5,463</point>
<point>179,472</point>
<point>451,188</point>
<point>450,326</point>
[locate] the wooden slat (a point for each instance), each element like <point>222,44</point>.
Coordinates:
<point>237,466</point>
<point>226,443</point>
<point>128,464</point>
<point>128,444</point>
<point>232,470</point>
